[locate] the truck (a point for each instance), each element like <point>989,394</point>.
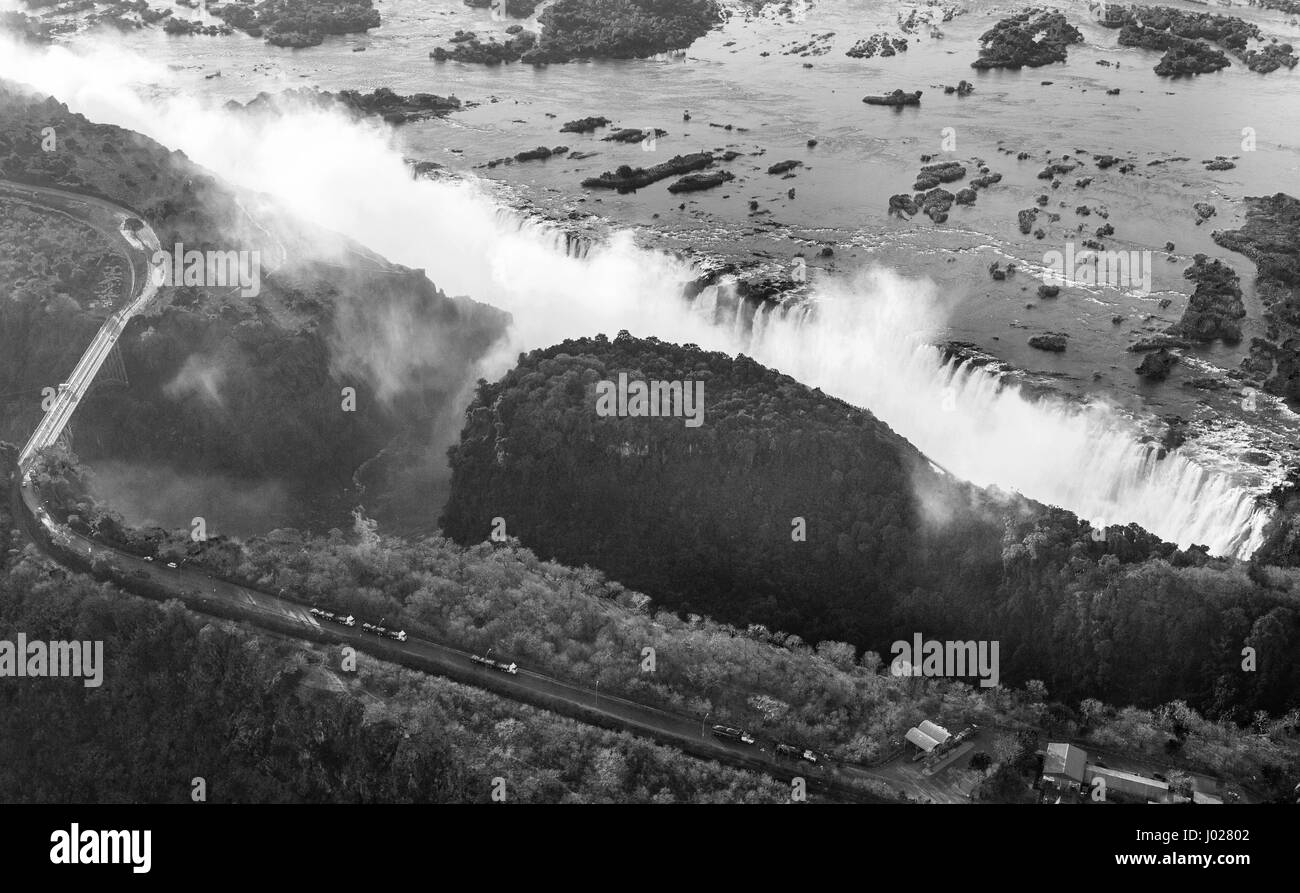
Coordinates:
<point>349,620</point>
<point>733,734</point>
<point>795,753</point>
<point>511,668</point>
<point>384,632</point>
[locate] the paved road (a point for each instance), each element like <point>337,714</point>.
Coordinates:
<point>143,242</point>
<point>212,596</point>
<point>689,733</point>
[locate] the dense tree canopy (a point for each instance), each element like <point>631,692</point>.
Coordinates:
<point>700,519</point>
<point>264,719</point>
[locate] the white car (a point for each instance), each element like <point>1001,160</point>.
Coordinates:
<point>172,565</point>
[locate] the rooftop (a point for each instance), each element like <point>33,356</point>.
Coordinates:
<point>921,740</point>
<point>933,730</point>
<point>1065,760</point>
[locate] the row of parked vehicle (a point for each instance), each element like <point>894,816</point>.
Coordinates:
<point>782,750</point>
<point>349,620</point>
<point>511,668</point>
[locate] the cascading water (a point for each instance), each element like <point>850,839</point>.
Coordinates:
<point>866,348</point>
<point>865,340</point>
<point>569,244</point>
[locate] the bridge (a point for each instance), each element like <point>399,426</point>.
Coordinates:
<point>71,392</point>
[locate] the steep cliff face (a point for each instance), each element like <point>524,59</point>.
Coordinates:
<point>777,505</point>
<point>333,358</point>
<point>747,496</point>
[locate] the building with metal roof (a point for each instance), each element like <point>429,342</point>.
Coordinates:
<point>1139,786</point>
<point>921,740</point>
<point>1065,763</point>
<point>933,730</point>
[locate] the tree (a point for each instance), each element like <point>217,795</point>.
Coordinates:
<point>1006,748</point>
<point>840,654</point>
<point>1006,785</point>
<point>1036,691</point>
<point>1092,711</point>
<point>367,530</point>
<point>1180,783</point>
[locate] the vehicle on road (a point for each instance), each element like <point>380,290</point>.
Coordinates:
<point>348,620</point>
<point>172,565</point>
<point>733,734</point>
<point>511,668</point>
<point>384,632</point>
<point>795,753</point>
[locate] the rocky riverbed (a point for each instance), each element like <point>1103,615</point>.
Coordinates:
<point>750,146</point>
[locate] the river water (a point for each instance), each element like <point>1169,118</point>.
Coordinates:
<point>1082,451</point>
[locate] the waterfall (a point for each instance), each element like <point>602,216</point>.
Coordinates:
<point>867,339</point>
<point>569,244</point>
<point>981,426</point>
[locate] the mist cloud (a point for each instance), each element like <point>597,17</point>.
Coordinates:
<point>866,342</point>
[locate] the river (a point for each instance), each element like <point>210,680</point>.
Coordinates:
<point>891,288</point>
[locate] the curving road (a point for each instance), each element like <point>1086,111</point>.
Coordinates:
<point>144,241</point>
<point>223,599</point>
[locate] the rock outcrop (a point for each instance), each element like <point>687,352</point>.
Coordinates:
<point>782,167</point>
<point>585,125</point>
<point>468,48</point>
<point>897,99</point>
<point>1156,365</point>
<point>1029,40</point>
<point>1187,37</point>
<point>1052,342</point>
<point>933,174</point>
<point>1215,309</point>
<point>877,44</point>
<point>629,179</point>
<point>696,182</point>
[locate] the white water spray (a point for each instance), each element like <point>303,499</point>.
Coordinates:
<point>864,340</point>
<point>868,342</point>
